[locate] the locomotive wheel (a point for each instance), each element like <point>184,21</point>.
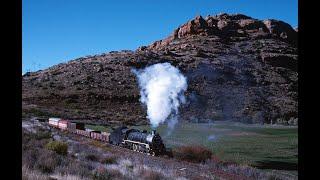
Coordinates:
<point>135,147</point>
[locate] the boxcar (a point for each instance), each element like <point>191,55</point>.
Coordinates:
<point>83,133</point>
<point>72,126</point>
<point>95,135</point>
<point>105,136</point>
<point>54,122</point>
<point>63,124</point>
<point>101,136</point>
<point>76,125</point>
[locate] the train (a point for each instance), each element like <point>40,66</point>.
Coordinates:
<point>133,139</point>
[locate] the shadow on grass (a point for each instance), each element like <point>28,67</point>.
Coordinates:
<point>278,165</point>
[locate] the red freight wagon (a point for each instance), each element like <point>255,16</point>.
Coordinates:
<point>63,124</point>
<point>95,135</point>
<point>105,137</point>
<point>83,133</point>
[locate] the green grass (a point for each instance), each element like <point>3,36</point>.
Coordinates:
<point>98,128</point>
<point>243,144</point>
<point>240,143</point>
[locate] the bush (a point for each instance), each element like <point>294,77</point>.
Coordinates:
<point>39,112</point>
<point>151,175</point>
<point>91,157</point>
<point>75,168</point>
<point>29,174</point>
<point>58,147</point>
<point>109,160</point>
<point>192,153</point>
<point>47,161</point>
<point>29,157</point>
<point>102,174</point>
<point>41,134</point>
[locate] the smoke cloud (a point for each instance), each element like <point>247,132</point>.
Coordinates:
<point>162,88</point>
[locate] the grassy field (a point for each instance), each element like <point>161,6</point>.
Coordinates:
<point>262,146</point>
<point>98,128</point>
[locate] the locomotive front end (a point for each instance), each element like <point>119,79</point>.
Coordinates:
<point>156,144</point>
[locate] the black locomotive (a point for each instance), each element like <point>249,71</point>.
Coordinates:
<point>141,141</point>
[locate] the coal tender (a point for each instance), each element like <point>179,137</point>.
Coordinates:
<point>140,141</point>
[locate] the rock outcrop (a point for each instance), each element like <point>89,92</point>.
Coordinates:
<point>238,68</point>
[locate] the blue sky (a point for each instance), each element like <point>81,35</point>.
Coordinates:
<point>56,31</point>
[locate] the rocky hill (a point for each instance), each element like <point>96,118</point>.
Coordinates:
<point>238,68</point>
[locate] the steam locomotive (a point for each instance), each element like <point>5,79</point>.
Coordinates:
<point>136,140</point>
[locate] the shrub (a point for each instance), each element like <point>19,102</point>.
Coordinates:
<point>28,174</point>
<point>47,161</point>
<point>192,153</point>
<point>151,175</point>
<point>41,134</point>
<point>58,147</point>
<point>109,160</point>
<point>29,157</point>
<point>91,157</point>
<point>102,174</point>
<point>74,168</point>
<point>39,112</point>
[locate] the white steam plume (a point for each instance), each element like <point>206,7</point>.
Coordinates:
<point>161,89</point>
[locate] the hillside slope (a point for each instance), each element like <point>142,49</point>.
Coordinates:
<point>238,68</point>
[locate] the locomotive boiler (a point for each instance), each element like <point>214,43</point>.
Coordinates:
<point>140,141</point>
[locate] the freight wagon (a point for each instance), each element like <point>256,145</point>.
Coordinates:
<point>54,122</point>
<point>74,126</point>
<point>83,133</point>
<point>63,124</point>
<point>141,141</point>
<point>98,136</point>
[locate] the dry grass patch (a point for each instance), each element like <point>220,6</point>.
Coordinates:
<point>149,174</point>
<point>195,154</point>
<point>28,174</point>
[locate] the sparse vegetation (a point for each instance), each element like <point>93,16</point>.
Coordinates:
<point>38,112</point>
<point>109,160</point>
<point>47,161</point>
<point>102,174</point>
<point>91,157</point>
<point>58,147</point>
<point>29,174</point>
<point>42,134</point>
<point>148,174</point>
